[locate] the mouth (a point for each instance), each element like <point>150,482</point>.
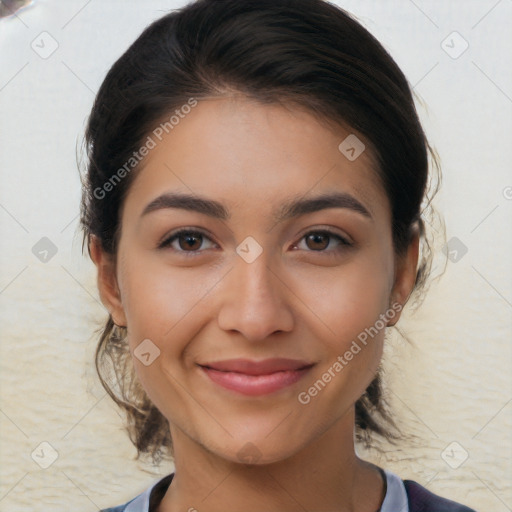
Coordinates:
<point>254,378</point>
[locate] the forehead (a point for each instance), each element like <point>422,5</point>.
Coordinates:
<point>242,152</point>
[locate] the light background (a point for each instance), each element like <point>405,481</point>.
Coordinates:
<point>453,385</point>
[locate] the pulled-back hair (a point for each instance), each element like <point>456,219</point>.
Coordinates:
<point>304,53</point>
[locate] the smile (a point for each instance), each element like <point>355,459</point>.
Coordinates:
<point>255,379</point>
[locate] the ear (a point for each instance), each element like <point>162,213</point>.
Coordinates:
<point>405,275</point>
<point>107,281</point>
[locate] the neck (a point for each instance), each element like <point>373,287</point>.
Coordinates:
<point>324,475</point>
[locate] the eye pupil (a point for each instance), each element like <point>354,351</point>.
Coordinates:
<point>317,239</point>
<point>190,240</point>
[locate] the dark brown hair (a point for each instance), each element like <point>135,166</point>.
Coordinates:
<point>305,53</point>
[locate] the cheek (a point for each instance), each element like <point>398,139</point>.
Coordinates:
<point>165,304</point>
<point>345,314</point>
<point>348,300</point>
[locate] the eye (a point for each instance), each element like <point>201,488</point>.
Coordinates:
<point>186,241</point>
<point>321,240</point>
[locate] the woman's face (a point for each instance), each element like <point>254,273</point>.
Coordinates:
<point>289,255</point>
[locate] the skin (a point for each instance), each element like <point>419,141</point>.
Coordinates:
<point>297,299</point>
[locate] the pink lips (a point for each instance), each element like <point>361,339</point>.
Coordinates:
<point>256,377</point>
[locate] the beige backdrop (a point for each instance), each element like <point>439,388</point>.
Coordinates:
<point>451,389</point>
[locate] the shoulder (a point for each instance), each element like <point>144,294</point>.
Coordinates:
<point>422,500</point>
<point>147,500</point>
<point>119,508</point>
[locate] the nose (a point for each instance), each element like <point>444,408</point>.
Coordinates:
<point>256,301</point>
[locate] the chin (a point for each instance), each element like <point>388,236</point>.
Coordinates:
<point>256,453</point>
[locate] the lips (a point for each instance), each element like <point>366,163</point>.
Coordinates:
<point>265,367</point>
<point>254,378</point>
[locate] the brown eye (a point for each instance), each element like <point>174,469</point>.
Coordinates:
<point>323,242</point>
<point>190,241</point>
<point>187,241</point>
<point>317,241</point>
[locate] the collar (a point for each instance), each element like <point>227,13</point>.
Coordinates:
<point>395,499</point>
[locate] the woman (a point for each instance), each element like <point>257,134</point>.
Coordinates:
<point>253,206</point>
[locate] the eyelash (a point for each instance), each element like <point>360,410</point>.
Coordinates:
<point>343,242</point>
<point>166,243</point>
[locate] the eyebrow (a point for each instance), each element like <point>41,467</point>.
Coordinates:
<point>290,209</point>
<point>297,207</point>
<point>188,202</point>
